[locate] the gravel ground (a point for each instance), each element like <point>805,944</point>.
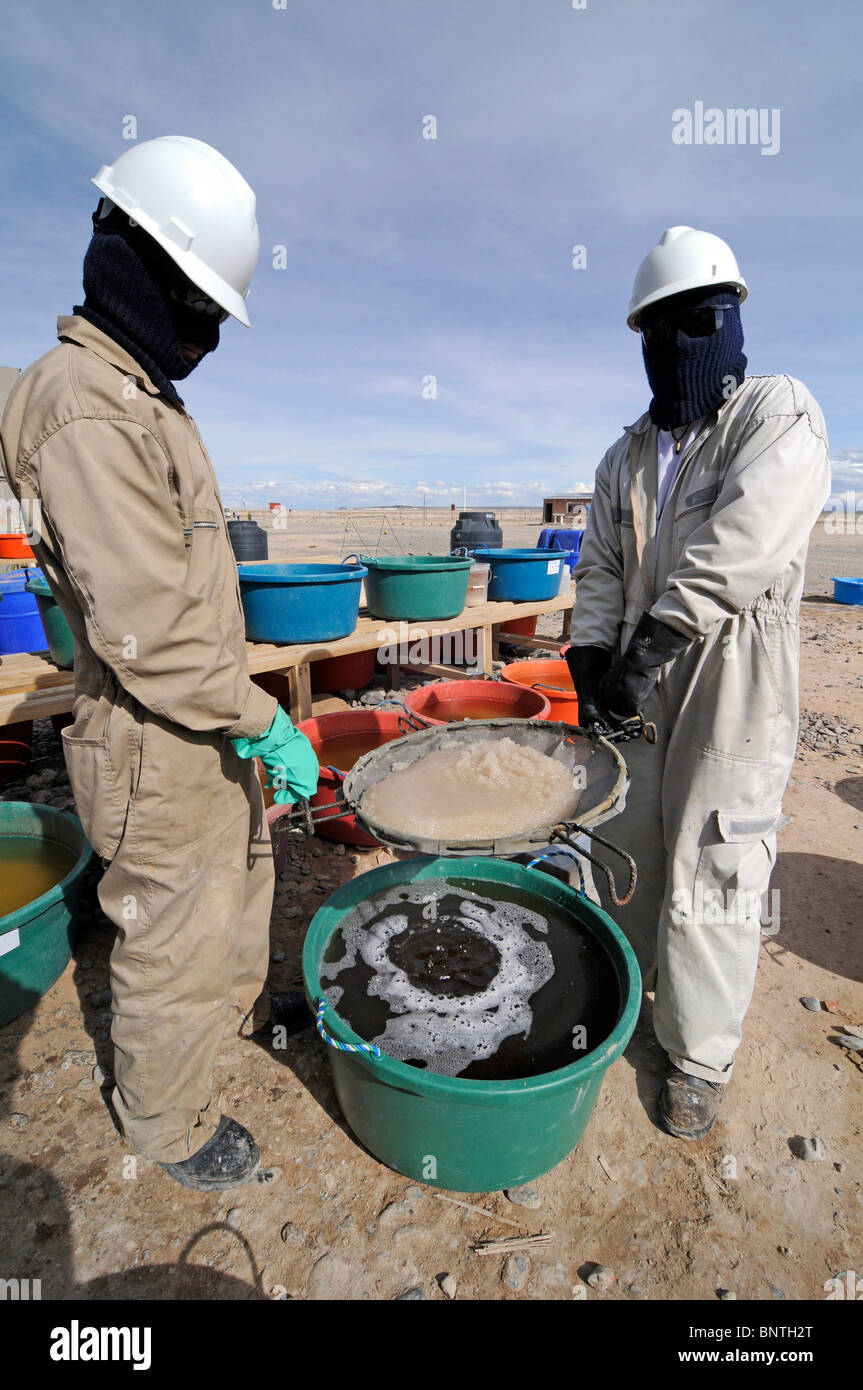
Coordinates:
<point>769,1207</point>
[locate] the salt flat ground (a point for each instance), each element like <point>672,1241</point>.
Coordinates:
<point>333,535</point>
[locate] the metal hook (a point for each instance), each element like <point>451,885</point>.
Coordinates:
<point>561,832</point>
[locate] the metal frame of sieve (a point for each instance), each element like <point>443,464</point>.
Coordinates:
<point>604,794</point>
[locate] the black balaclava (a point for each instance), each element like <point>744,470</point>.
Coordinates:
<point>127,281</point>
<point>689,376</point>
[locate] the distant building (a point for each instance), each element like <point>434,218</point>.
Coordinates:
<point>567,511</point>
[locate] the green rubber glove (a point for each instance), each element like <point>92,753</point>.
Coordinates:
<point>288,757</point>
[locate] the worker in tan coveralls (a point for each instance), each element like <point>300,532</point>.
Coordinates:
<point>687,613</point>
<point>166,720</point>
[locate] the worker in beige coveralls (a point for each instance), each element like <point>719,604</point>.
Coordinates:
<point>687,613</point>
<point>166,720</point>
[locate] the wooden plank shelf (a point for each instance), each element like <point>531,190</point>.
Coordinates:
<point>32,687</point>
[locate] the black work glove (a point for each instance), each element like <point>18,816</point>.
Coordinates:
<point>587,666</point>
<point>623,691</point>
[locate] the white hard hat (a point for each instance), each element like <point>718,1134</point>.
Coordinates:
<point>197,206</point>
<point>683,259</point>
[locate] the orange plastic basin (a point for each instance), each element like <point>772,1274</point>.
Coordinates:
<point>524,627</point>
<point>552,678</point>
<point>14,546</point>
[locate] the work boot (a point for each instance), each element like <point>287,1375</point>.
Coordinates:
<point>288,1010</point>
<point>229,1158</point>
<point>688,1104</point>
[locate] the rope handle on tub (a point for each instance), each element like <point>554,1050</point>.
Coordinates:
<point>570,854</point>
<point>371,1048</point>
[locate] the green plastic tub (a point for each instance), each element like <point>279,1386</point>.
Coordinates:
<point>464,1135</point>
<point>36,940</point>
<point>61,643</point>
<point>416,588</point>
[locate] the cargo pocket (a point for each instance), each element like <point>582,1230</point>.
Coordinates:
<point>736,860</point>
<point>101,807</point>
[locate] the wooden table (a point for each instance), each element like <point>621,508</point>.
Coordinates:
<point>32,687</point>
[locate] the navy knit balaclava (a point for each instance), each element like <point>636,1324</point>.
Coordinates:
<point>689,377</point>
<point>127,279</point>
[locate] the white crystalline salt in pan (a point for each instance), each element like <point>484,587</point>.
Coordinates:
<point>445,1032</point>
<point>491,788</point>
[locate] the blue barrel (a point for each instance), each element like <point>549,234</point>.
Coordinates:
<point>21,627</point>
<point>300,603</point>
<point>522,576</point>
<point>558,538</point>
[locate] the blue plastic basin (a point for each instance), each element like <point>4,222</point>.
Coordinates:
<point>848,590</point>
<point>21,627</point>
<point>300,603</point>
<point>522,576</point>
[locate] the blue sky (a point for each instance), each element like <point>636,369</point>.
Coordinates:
<point>451,257</point>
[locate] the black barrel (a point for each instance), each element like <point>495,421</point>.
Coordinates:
<point>248,541</point>
<point>476,528</point>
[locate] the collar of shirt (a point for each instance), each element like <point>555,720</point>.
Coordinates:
<point>73,328</point>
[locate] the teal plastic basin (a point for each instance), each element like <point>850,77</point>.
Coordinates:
<point>416,588</point>
<point>61,643</point>
<point>465,1135</point>
<point>36,940</point>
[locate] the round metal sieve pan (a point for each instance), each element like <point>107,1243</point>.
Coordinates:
<point>597,762</point>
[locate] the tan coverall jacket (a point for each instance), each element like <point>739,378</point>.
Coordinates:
<point>725,566</point>
<point>135,547</point>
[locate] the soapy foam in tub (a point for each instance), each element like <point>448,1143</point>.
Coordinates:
<point>446,1031</point>
<point>491,788</point>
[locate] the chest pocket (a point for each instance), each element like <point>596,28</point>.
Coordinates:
<point>203,519</point>
<point>693,508</point>
<point>204,560</point>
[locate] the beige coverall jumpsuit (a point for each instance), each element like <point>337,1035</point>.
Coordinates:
<point>135,548</point>
<point>725,567</point>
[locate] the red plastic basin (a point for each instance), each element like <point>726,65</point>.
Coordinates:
<point>16,747</point>
<point>352,672</point>
<point>333,736</point>
<point>452,700</point>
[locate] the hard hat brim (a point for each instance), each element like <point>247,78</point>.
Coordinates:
<point>679,287</point>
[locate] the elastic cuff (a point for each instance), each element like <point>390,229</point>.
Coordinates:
<point>666,611</point>
<point>258,714</point>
